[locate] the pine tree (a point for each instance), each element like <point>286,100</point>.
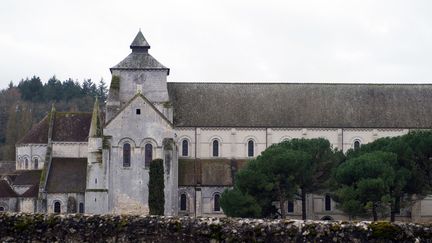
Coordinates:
<point>156,188</point>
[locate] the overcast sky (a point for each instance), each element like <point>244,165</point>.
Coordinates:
<point>221,40</point>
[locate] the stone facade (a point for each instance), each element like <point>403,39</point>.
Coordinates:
<point>204,133</point>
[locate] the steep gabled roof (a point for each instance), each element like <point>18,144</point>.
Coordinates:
<point>33,191</point>
<point>68,127</point>
<point>27,177</point>
<point>301,105</point>
<point>6,190</point>
<point>71,126</point>
<point>67,175</point>
<point>38,133</point>
<point>139,95</point>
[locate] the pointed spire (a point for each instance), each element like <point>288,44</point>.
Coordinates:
<point>95,126</point>
<point>139,43</point>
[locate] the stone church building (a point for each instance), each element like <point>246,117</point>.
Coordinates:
<point>99,162</point>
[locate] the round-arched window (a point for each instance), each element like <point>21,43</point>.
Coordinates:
<point>183,202</point>
<point>216,202</point>
<point>185,147</point>
<point>126,155</point>
<point>357,144</point>
<point>215,148</point>
<point>57,207</point>
<point>251,148</point>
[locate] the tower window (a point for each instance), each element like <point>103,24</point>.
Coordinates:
<point>216,202</point>
<point>57,207</point>
<point>126,155</point>
<point>215,148</point>
<point>183,202</point>
<point>327,203</point>
<point>185,148</point>
<point>250,148</point>
<point>290,207</point>
<point>148,156</point>
<point>138,111</point>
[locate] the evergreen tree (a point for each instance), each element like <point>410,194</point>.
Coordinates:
<point>156,186</point>
<point>102,91</point>
<point>365,183</point>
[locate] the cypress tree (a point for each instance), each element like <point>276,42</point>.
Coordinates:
<point>156,188</point>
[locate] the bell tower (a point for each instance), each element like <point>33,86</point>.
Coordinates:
<point>141,73</point>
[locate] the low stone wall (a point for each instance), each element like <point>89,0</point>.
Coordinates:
<point>114,228</point>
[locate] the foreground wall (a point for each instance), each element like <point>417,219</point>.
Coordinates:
<point>110,228</point>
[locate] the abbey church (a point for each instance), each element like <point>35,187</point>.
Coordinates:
<point>204,132</point>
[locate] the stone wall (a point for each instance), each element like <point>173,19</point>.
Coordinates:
<point>110,228</point>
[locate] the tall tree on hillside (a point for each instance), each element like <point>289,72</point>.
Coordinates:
<point>102,91</point>
<point>71,90</point>
<point>19,123</point>
<point>53,90</point>
<point>31,89</point>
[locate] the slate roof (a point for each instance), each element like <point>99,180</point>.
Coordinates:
<point>67,175</point>
<point>6,190</point>
<point>141,61</point>
<point>301,105</point>
<point>139,41</point>
<point>68,127</point>
<point>71,127</point>
<point>208,172</point>
<point>27,177</point>
<point>33,191</point>
<point>38,133</point>
<point>7,167</point>
<point>140,58</point>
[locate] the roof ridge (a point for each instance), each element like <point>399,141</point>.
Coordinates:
<point>290,83</point>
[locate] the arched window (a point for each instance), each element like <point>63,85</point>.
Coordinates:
<point>250,148</point>
<point>357,144</point>
<point>185,148</point>
<point>36,163</point>
<point>26,163</point>
<point>2,209</point>
<point>81,208</point>
<point>57,207</point>
<point>215,148</point>
<point>126,155</point>
<point>183,202</point>
<point>327,203</point>
<point>148,156</point>
<point>216,202</point>
<point>290,207</point>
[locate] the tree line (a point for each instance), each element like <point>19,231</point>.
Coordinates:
<point>24,104</point>
<point>375,180</point>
